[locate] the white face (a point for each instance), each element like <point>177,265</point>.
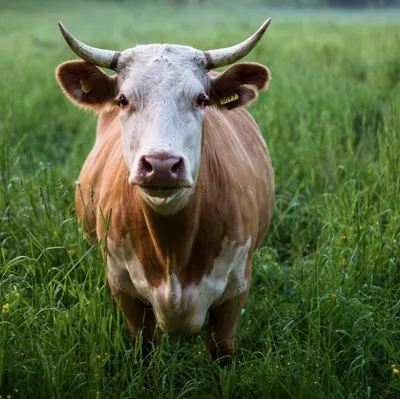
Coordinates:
<point>163,87</point>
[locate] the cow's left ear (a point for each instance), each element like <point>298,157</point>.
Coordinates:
<point>239,85</point>
<point>86,85</point>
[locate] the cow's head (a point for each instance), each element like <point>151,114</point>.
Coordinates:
<point>161,91</point>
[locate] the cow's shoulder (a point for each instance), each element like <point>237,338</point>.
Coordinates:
<point>103,170</point>
<point>238,176</point>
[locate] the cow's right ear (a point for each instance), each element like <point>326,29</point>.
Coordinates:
<point>86,85</point>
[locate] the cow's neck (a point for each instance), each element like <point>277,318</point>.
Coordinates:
<point>172,235</point>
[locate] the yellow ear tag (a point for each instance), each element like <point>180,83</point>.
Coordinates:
<point>85,86</point>
<point>229,99</point>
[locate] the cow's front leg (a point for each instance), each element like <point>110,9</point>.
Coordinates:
<point>138,315</point>
<point>220,336</point>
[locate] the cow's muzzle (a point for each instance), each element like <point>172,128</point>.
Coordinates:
<point>161,171</point>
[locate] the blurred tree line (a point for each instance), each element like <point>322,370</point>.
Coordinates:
<point>330,3</point>
<point>359,3</point>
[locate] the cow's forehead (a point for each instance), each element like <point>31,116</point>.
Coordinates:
<point>158,66</point>
<point>178,55</point>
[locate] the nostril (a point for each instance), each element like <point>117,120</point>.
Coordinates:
<point>177,167</point>
<point>161,170</point>
<point>147,167</point>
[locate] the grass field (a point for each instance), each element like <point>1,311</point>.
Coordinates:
<point>323,317</point>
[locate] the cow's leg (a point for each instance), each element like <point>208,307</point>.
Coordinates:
<point>138,315</point>
<point>220,336</point>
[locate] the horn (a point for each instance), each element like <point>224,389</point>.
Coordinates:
<point>229,55</point>
<point>103,58</point>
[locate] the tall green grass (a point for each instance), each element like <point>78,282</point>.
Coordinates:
<point>322,320</point>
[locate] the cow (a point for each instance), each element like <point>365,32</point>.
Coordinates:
<point>178,187</point>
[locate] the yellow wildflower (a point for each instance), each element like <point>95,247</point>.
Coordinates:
<point>333,297</point>
<point>71,252</point>
<point>395,370</point>
<point>342,237</point>
<point>5,308</point>
<point>98,356</point>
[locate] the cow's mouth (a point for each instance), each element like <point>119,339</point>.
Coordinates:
<point>160,192</point>
<point>159,188</point>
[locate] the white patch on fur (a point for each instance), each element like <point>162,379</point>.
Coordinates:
<point>181,309</point>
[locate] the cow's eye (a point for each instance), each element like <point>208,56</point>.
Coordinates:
<point>201,99</point>
<point>123,101</point>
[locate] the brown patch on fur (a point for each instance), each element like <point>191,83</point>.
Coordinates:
<point>244,79</point>
<point>101,95</point>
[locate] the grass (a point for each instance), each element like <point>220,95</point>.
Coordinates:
<point>323,317</point>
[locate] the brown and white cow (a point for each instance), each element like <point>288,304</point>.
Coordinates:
<point>179,185</point>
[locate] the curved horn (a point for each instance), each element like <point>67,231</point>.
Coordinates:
<point>103,58</point>
<point>229,55</point>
